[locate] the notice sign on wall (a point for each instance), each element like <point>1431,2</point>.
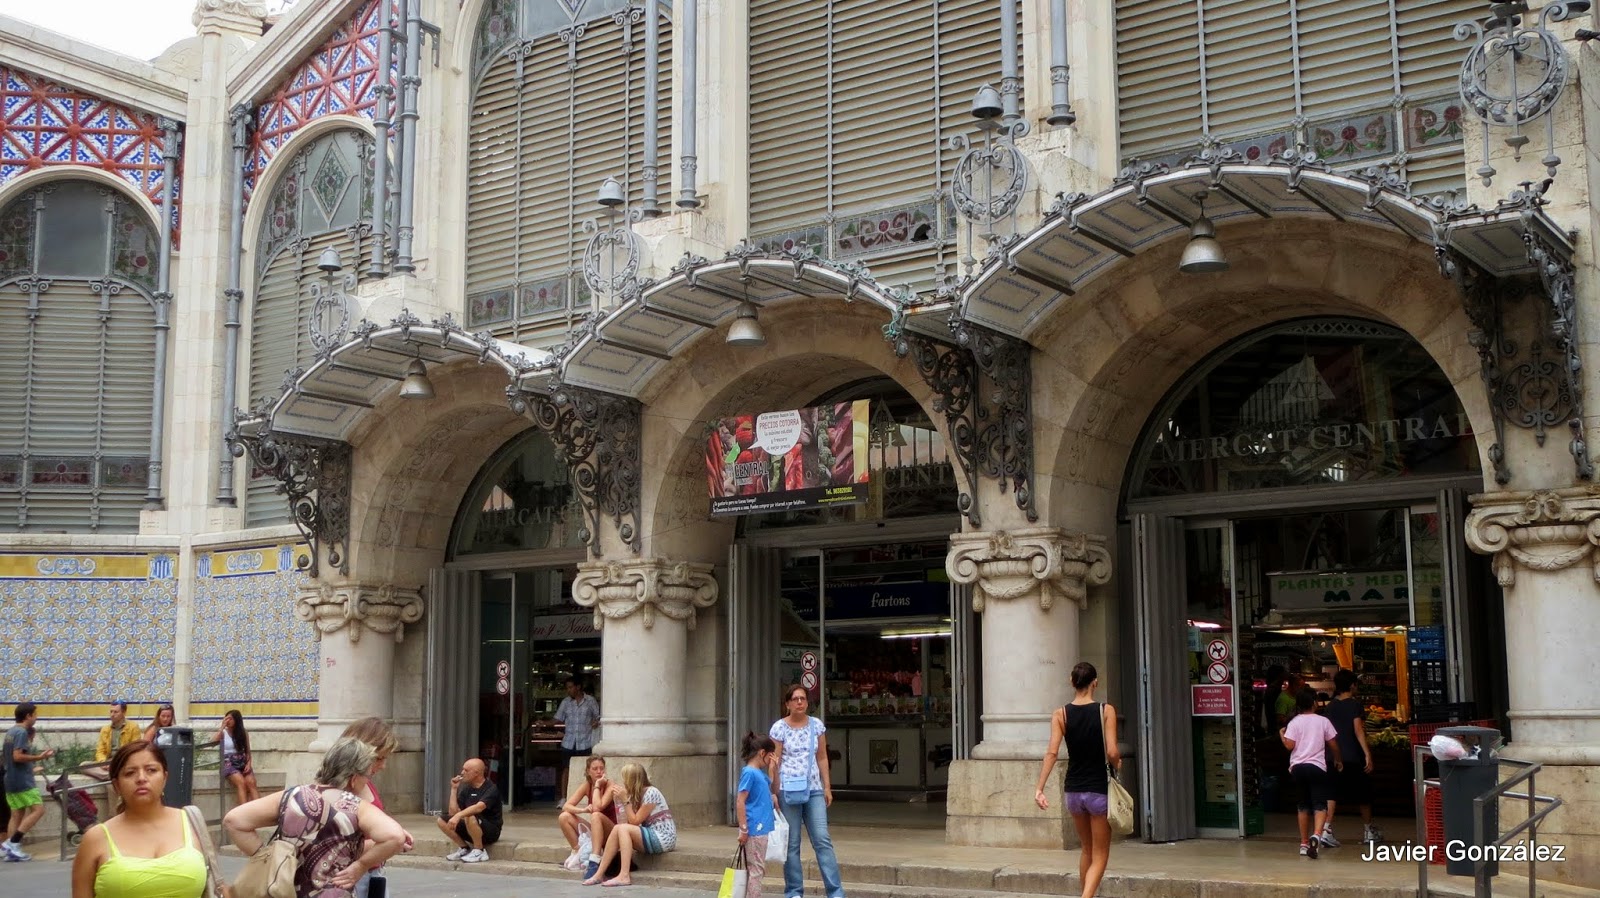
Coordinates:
<point>778,461</point>
<point>1209,700</point>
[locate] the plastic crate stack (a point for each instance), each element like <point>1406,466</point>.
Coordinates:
<point>1425,658</point>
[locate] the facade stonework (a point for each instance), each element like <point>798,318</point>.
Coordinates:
<point>1019,294</point>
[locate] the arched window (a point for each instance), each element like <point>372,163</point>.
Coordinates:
<point>557,107</point>
<point>323,199</point>
<point>77,359</point>
<point>1371,83</point>
<point>521,500</point>
<point>1313,402</point>
<point>851,105</point>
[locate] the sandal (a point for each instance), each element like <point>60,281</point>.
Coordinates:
<point>614,882</point>
<point>592,881</point>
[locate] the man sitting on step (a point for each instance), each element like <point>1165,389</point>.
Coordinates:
<point>473,818</point>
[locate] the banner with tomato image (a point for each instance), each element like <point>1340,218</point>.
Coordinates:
<point>778,461</point>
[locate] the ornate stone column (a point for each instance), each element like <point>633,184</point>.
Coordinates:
<point>359,625</point>
<point>1544,545</point>
<point>1029,584</point>
<point>644,609</point>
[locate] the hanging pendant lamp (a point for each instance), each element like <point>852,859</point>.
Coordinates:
<point>1203,254</point>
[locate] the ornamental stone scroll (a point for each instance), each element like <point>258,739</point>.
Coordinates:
<point>651,586</point>
<point>1002,565</point>
<point>354,607</point>
<point>1545,531</point>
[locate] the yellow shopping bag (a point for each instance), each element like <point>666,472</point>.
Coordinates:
<point>733,878</point>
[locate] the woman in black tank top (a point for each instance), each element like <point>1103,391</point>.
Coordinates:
<point>1089,728</point>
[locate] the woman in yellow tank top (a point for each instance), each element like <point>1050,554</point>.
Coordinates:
<point>147,850</point>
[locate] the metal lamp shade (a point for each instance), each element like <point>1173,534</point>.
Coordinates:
<point>416,384</point>
<point>1203,254</point>
<point>746,328</point>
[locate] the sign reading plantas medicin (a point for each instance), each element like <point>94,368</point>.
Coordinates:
<point>780,461</point>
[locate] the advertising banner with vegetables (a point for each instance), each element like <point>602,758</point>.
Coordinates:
<point>781,461</point>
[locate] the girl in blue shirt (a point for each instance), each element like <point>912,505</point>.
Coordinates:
<point>754,808</point>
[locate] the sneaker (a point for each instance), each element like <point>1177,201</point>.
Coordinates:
<point>591,868</point>
<point>573,863</point>
<point>457,855</point>
<point>1304,850</point>
<point>1327,837</point>
<point>475,856</point>
<point>1371,833</point>
<point>1311,849</point>
<point>14,852</point>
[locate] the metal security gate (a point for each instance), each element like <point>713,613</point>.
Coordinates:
<point>1166,764</point>
<point>755,613</point>
<point>966,673</point>
<point>450,715</point>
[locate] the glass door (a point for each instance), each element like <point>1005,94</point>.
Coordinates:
<point>1222,803</point>
<point>498,658</point>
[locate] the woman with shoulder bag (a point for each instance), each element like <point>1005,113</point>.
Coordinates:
<point>327,825</point>
<point>804,789</point>
<point>147,850</point>
<point>1090,731</point>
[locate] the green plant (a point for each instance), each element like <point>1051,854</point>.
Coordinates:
<point>68,757</point>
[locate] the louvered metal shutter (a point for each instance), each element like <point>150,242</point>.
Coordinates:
<point>89,381</point>
<point>1346,61</point>
<point>1158,76</point>
<point>789,124</point>
<point>1430,56</point>
<point>1249,66</point>
<point>850,105</point>
<point>14,338</point>
<point>540,147</point>
<point>280,341</point>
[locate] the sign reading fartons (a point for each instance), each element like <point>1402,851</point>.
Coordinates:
<point>777,461</point>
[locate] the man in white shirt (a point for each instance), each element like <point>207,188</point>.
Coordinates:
<point>581,714</point>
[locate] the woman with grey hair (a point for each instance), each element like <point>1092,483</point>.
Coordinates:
<point>327,823</point>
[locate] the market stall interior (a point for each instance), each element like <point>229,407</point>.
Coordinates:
<point>873,648</point>
<point>1281,602</point>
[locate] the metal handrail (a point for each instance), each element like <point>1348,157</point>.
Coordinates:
<point>1480,873</point>
<point>97,770</point>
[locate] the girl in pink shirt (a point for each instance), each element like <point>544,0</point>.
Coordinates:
<point>1305,737</point>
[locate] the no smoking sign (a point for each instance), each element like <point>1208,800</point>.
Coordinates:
<point>1217,672</point>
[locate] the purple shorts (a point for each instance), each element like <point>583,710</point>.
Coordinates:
<point>1091,803</point>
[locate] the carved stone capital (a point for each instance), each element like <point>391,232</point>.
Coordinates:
<point>353,607</point>
<point>1009,564</point>
<point>1547,530</point>
<point>650,586</point>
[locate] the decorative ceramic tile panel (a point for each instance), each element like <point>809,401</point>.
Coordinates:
<point>92,627</point>
<point>247,645</point>
<point>1357,137</point>
<point>339,79</point>
<point>1434,123</point>
<point>46,124</point>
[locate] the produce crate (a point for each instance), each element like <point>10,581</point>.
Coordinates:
<point>1433,811</point>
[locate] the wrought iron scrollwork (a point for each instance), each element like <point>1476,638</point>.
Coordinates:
<point>598,435</point>
<point>1528,389</point>
<point>1005,423</point>
<point>983,386</point>
<point>315,476</point>
<point>952,374</point>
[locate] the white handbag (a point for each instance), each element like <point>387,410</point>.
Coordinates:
<point>1119,805</point>
<point>778,840</point>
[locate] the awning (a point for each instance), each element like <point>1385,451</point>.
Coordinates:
<point>328,399</point>
<point>622,349</point>
<point>1085,238</point>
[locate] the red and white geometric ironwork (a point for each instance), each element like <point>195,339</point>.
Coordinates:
<point>47,124</point>
<point>339,79</point>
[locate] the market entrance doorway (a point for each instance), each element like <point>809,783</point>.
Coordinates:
<point>1272,603</point>
<point>1297,507</point>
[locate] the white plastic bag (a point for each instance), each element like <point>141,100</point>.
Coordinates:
<point>778,840</point>
<point>1447,748</point>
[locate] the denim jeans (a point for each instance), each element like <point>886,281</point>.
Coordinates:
<point>814,814</point>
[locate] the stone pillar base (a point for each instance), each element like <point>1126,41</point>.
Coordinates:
<point>1575,825</point>
<point>990,803</point>
<point>695,785</point>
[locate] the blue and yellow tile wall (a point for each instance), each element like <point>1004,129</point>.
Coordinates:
<point>250,651</point>
<point>81,630</point>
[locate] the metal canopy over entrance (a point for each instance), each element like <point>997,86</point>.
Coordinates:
<point>1084,238</point>
<point>620,350</point>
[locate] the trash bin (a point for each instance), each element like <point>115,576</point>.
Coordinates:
<point>1460,782</point>
<point>177,743</point>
